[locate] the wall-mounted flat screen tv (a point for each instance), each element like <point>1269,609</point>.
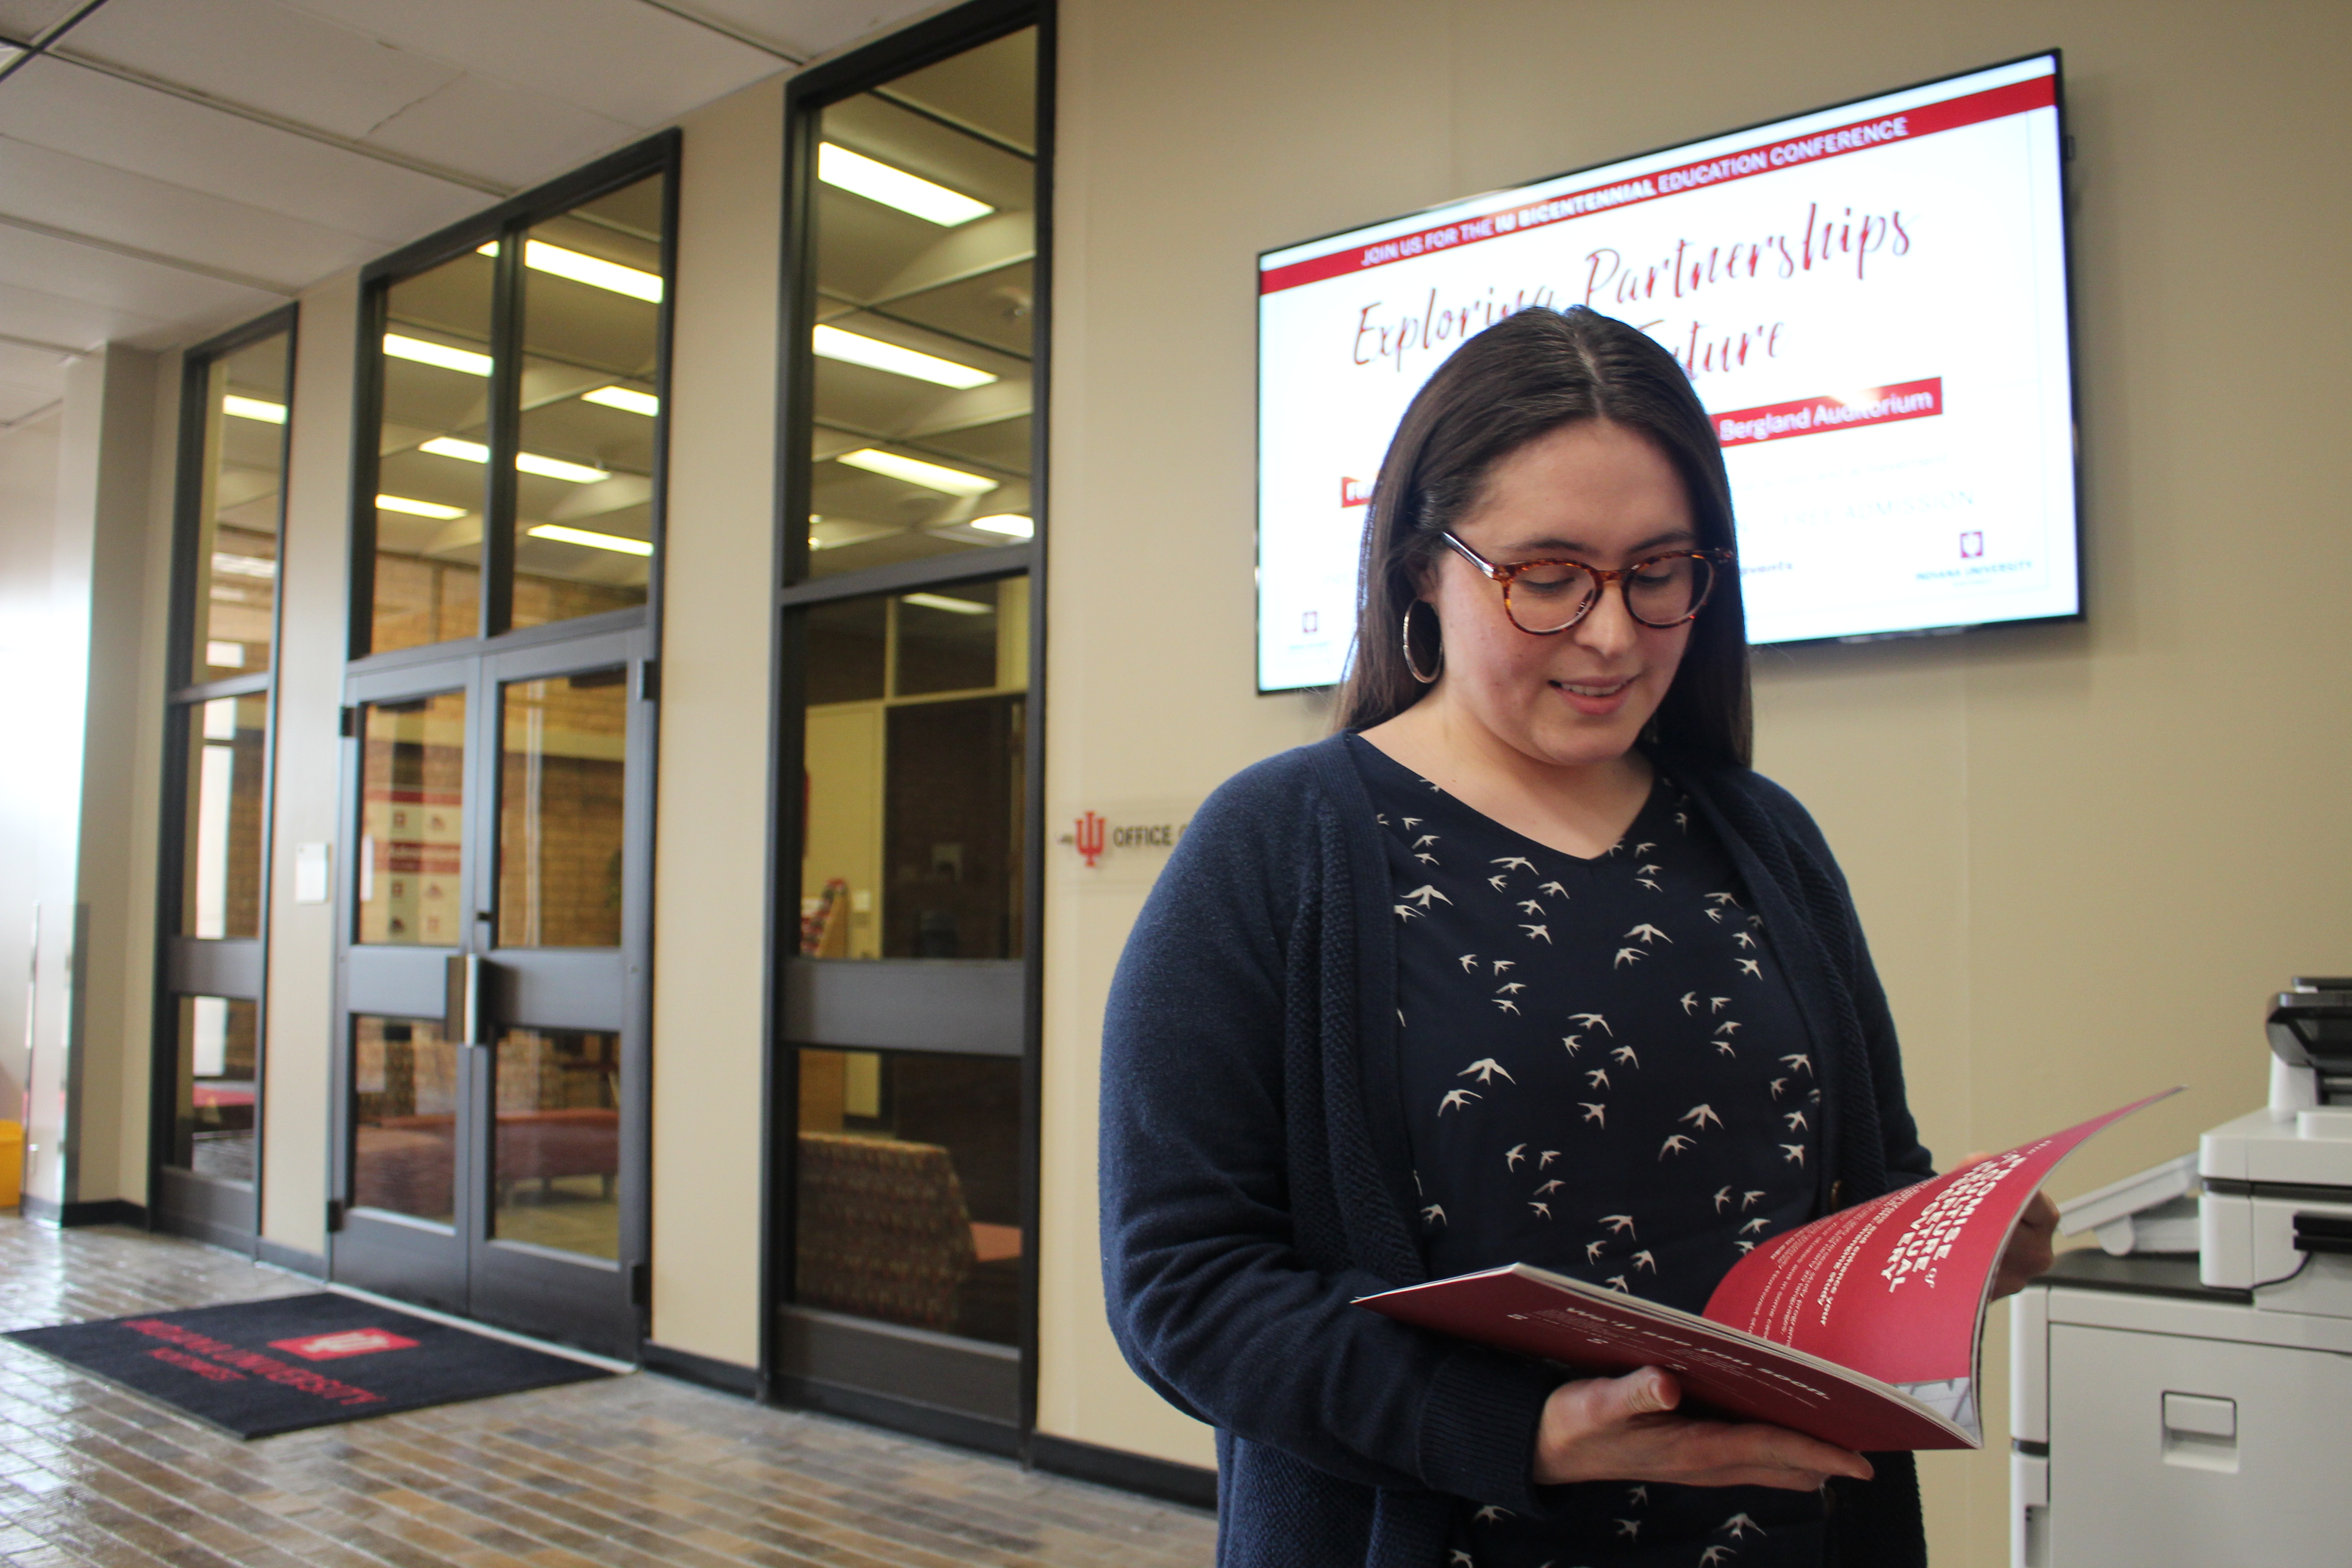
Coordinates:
<point>1870,299</point>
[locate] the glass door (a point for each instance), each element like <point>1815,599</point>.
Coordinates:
<point>494,988</point>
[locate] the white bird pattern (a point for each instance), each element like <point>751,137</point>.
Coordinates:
<point>1737,1526</point>
<point>1697,1141</point>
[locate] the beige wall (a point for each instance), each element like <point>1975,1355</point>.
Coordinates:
<point>297,1104</point>
<point>2084,853</point>
<point>712,836</point>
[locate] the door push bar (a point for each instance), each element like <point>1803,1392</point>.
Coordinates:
<point>462,991</point>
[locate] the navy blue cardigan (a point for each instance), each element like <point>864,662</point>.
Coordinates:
<point>1255,1175</point>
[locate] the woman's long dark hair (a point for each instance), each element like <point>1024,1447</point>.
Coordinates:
<point>1527,375</point>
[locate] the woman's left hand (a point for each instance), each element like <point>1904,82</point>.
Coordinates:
<point>2031,1252</point>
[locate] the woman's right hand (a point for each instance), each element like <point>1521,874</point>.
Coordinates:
<point>1624,1429</point>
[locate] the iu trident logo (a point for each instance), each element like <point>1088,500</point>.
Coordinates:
<point>1090,837</point>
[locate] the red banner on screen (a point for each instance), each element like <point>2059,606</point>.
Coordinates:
<point>1811,416</point>
<point>1764,158</point>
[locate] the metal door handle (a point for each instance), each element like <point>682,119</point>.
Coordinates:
<point>462,1010</point>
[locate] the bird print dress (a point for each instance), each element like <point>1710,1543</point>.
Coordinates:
<point>1605,1075</point>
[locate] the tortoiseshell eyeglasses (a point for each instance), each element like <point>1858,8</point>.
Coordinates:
<point>1543,597</point>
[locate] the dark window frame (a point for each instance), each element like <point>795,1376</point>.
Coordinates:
<point>236,968</point>
<point>507,222</point>
<point>928,42</point>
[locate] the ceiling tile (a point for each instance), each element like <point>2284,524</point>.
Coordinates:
<point>16,402</point>
<point>80,280</point>
<point>502,132</point>
<point>24,20</point>
<point>263,55</point>
<point>806,28</point>
<point>73,109</point>
<point>623,60</point>
<point>84,197</point>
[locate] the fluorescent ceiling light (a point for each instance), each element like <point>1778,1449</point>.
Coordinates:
<point>953,606</point>
<point>1011,524</point>
<point>644,402</point>
<point>557,468</point>
<point>591,539</point>
<point>853,348</point>
<point>244,565</point>
<point>528,462</point>
<point>238,407</point>
<point>433,508</point>
<point>857,172</point>
<point>447,358</point>
<point>593,270</point>
<point>930,475</point>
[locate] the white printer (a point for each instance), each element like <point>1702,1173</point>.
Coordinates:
<point>2170,1406</point>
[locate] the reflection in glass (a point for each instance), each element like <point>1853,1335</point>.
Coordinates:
<point>213,1096</point>
<point>920,441</point>
<point>559,1141</point>
<point>242,476</point>
<point>433,440</point>
<point>908,1187</point>
<point>591,342</point>
<point>561,819</point>
<point>220,874</point>
<point>404,1117</point>
<point>412,821</point>
<point>914,748</point>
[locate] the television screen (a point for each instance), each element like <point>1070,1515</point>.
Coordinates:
<point>1870,301</point>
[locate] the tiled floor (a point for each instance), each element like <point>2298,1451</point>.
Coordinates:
<point>636,1470</point>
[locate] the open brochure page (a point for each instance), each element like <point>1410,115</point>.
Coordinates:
<point>1860,1329</point>
<point>1600,1331</point>
<point>1896,1287</point>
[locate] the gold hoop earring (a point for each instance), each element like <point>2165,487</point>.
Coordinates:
<point>1407,639</point>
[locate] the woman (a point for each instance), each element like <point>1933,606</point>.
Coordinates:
<point>1523,964</point>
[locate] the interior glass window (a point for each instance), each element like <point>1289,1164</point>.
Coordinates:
<point>220,840</point>
<point>405,1118</point>
<point>925,250</point>
<point>412,821</point>
<point>216,1088</point>
<point>561,798</point>
<point>910,1189</point>
<point>590,346</point>
<point>914,754</point>
<point>241,479</point>
<point>433,438</point>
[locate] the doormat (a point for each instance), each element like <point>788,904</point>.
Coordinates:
<point>257,1368</point>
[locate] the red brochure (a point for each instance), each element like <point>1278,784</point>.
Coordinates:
<point>1863,1329</point>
